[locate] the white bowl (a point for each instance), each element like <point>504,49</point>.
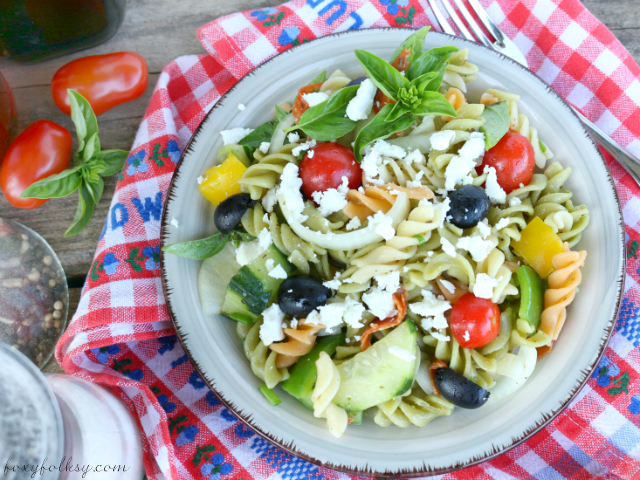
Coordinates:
<point>467,437</point>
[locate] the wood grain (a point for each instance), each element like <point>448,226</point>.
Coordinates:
<point>161,30</point>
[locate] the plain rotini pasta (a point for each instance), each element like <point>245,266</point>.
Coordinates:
<point>327,385</point>
<point>263,175</point>
<point>459,71</point>
<point>412,410</point>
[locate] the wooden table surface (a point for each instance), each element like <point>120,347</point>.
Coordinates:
<point>161,30</point>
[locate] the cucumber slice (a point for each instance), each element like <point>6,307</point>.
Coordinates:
<point>251,290</point>
<point>303,375</point>
<point>214,276</point>
<point>376,375</point>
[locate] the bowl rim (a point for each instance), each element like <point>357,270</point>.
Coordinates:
<point>425,470</point>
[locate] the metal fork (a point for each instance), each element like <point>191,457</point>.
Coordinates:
<point>505,46</point>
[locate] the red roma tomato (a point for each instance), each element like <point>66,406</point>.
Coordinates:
<point>300,105</point>
<point>325,169</point>
<point>474,321</point>
<point>43,149</point>
<point>514,161</point>
<point>106,81</point>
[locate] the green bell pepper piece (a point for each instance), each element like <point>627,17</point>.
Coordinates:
<point>303,375</point>
<point>531,295</point>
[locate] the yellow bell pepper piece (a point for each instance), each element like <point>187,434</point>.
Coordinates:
<point>538,245</point>
<point>221,182</point>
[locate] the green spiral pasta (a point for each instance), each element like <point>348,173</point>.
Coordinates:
<point>263,360</point>
<point>494,266</point>
<point>264,174</point>
<point>459,71</point>
<point>412,410</point>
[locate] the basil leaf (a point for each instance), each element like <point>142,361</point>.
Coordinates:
<point>83,117</point>
<point>55,186</point>
<point>321,78</point>
<point>429,82</point>
<point>430,61</point>
<point>242,236</point>
<point>280,113</point>
<point>433,103</point>
<point>84,212</point>
<point>383,75</point>
<point>114,160</point>
<point>398,110</point>
<point>414,44</point>
<point>95,189</point>
<point>380,128</point>
<point>199,249</point>
<point>261,134</point>
<point>496,123</point>
<point>327,120</point>
<point>91,146</point>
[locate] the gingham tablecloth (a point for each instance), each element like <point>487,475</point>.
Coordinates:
<point>121,335</point>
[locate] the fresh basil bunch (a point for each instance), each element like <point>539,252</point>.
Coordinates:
<point>415,91</point>
<point>90,166</point>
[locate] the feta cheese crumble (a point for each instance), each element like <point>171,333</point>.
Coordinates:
<point>241,107</point>
<point>415,156</point>
<point>369,165</point>
<point>269,264</point>
<point>389,282</point>
<point>466,335</point>
<point>451,288</point>
<point>385,148</point>
<point>290,184</point>
<point>484,286</point>
<point>174,222</point>
<point>271,329</point>
<point>234,135</point>
<point>332,200</point>
<point>314,98</point>
<point>441,337</point>
<point>380,303</point>
<point>269,199</point>
<point>333,284</point>
<point>264,147</point>
<point>278,272</point>
<point>514,202</point>
<point>484,229</point>
<point>447,247</point>
<point>462,165</point>
<point>264,238</point>
<point>334,315</point>
<point>293,137</point>
<point>360,106</point>
<point>200,179</point>
<point>504,222</point>
<point>441,140</point>
<point>303,147</point>
<point>311,153</point>
<point>473,148</point>
<point>493,189</point>
<point>353,224</point>
<point>249,251</point>
<point>382,225</point>
<point>415,183</point>
<point>401,353</point>
<point>476,246</point>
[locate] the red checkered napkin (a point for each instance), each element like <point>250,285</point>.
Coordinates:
<point>121,336</point>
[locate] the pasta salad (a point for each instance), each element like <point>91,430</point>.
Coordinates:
<point>390,243</point>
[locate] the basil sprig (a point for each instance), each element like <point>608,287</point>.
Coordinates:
<point>91,165</point>
<point>496,123</point>
<point>414,93</point>
<point>327,120</point>
<point>207,247</point>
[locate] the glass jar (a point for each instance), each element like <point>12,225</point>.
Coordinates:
<point>8,117</point>
<point>37,30</point>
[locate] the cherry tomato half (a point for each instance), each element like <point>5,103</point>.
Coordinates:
<point>42,149</point>
<point>514,161</point>
<point>300,105</point>
<point>104,80</point>
<point>325,169</point>
<point>474,321</point>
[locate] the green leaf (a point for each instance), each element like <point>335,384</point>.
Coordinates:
<point>429,82</point>
<point>91,147</point>
<point>380,128</point>
<point>261,134</point>
<point>383,75</point>
<point>496,123</point>
<point>96,189</point>
<point>280,113</point>
<point>83,117</point>
<point>84,212</point>
<point>543,147</point>
<point>396,112</point>
<point>327,121</point>
<point>241,236</point>
<point>114,159</point>
<point>430,61</point>
<point>414,43</point>
<point>55,186</point>
<point>321,78</point>
<point>199,249</point>
<point>433,103</point>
